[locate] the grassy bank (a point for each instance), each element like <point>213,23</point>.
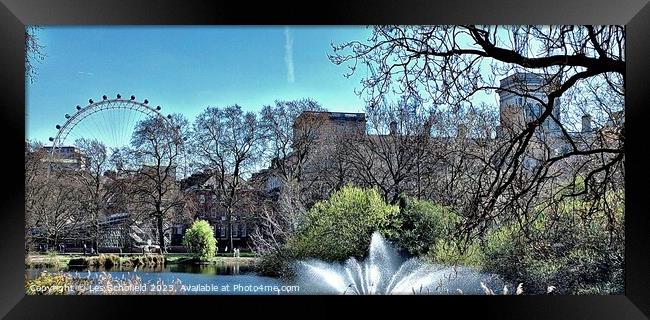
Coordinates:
<point>102,260</point>
<point>188,259</point>
<point>47,261</point>
<point>111,260</point>
<point>57,261</point>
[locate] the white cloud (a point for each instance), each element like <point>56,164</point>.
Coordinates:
<point>288,54</point>
<point>85,73</point>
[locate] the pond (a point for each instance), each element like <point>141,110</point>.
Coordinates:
<point>192,279</point>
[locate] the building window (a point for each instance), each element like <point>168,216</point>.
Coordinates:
<point>243,230</point>
<point>235,230</point>
<point>533,111</point>
<point>202,199</point>
<point>223,232</point>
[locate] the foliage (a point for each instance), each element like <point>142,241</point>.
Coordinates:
<point>49,284</point>
<point>450,252</point>
<point>275,264</point>
<point>491,180</point>
<point>101,261</point>
<point>65,283</point>
<point>151,260</point>
<point>422,224</point>
<point>341,227</point>
<point>200,240</point>
<point>575,254</point>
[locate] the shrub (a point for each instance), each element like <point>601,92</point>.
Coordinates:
<point>575,252</point>
<point>101,261</point>
<point>341,227</point>
<point>200,240</point>
<point>275,264</point>
<point>49,284</point>
<point>450,252</point>
<point>422,224</point>
<point>79,262</point>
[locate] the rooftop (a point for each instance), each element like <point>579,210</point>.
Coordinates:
<point>521,77</point>
<point>337,116</point>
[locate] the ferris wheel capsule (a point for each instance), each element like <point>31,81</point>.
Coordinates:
<point>169,116</point>
<point>90,101</point>
<point>104,97</point>
<point>146,101</point>
<point>158,108</point>
<point>78,107</point>
<point>119,96</point>
<point>67,116</point>
<point>58,127</point>
<point>51,139</point>
<point>132,97</point>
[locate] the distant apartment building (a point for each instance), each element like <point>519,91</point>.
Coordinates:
<point>209,203</point>
<point>68,157</point>
<point>519,104</point>
<point>522,96</point>
<point>520,101</point>
<point>324,123</point>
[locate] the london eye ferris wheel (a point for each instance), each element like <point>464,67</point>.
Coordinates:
<point>110,122</point>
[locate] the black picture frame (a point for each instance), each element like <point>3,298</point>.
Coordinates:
<point>15,14</point>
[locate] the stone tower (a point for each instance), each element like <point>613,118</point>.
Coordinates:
<point>517,104</point>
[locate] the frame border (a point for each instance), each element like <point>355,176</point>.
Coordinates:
<point>635,14</point>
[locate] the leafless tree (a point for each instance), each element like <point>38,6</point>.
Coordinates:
<point>292,130</point>
<point>35,184</point>
<point>34,52</point>
<point>94,193</point>
<point>390,155</point>
<point>52,199</point>
<point>290,138</point>
<point>453,66</point>
<point>228,143</point>
<point>157,147</point>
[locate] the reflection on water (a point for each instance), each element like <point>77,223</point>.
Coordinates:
<point>205,269</point>
<point>210,279</point>
<point>214,269</point>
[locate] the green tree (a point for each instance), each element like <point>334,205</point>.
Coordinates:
<point>200,240</point>
<point>577,252</point>
<point>422,224</point>
<point>341,227</point>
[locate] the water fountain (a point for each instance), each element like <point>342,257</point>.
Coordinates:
<point>385,272</point>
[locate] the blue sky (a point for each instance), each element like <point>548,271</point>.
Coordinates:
<point>185,69</point>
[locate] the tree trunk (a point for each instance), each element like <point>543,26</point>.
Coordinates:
<point>230,229</point>
<point>96,237</point>
<point>161,236</point>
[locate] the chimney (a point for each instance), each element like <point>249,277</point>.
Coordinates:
<point>393,127</point>
<point>427,127</point>
<point>499,132</point>
<point>586,123</point>
<point>462,131</point>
